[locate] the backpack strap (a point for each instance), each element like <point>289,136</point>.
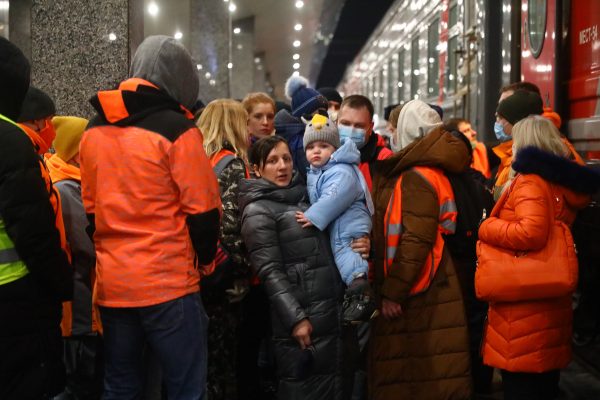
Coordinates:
<point>223,163</point>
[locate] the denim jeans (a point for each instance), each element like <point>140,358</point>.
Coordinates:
<point>176,333</point>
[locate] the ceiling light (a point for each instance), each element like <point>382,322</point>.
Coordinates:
<point>229,65</point>
<point>178,35</point>
<point>296,56</point>
<point>256,60</point>
<point>296,65</point>
<point>297,43</point>
<point>199,66</point>
<point>296,73</point>
<point>112,37</point>
<point>207,75</point>
<point>232,7</point>
<point>298,27</point>
<point>153,9</point>
<point>299,4</point>
<point>237,31</point>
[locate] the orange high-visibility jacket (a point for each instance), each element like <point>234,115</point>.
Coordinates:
<point>447,225</point>
<point>480,160</point>
<point>154,198</point>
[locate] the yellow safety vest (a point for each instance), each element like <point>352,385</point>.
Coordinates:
<point>11,265</point>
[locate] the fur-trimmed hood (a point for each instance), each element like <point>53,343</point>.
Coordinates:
<point>558,170</point>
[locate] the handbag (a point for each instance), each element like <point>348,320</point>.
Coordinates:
<point>505,275</point>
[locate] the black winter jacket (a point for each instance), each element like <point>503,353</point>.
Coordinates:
<point>33,302</point>
<point>298,272</point>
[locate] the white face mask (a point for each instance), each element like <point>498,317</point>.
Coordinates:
<point>332,115</point>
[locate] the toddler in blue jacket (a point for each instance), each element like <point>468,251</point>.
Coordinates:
<point>341,203</point>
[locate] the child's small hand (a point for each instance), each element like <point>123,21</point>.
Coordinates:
<point>303,220</point>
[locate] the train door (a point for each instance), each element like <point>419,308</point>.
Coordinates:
<point>584,78</point>
<point>539,47</point>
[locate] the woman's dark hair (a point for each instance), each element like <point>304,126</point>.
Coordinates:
<point>259,152</point>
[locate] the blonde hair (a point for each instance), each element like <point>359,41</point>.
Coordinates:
<point>252,99</point>
<point>224,120</point>
<point>539,132</point>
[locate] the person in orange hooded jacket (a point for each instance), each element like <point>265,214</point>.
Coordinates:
<point>530,340</point>
<point>154,209</point>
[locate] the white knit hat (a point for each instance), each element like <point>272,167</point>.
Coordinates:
<point>416,120</point>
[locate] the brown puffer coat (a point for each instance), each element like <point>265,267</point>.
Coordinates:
<point>423,354</point>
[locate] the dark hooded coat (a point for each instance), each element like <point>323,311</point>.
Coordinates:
<point>297,270</point>
<point>424,353</point>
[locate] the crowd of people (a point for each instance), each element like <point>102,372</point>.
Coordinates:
<point>257,250</point>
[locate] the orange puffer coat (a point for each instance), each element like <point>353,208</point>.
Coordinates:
<point>534,335</point>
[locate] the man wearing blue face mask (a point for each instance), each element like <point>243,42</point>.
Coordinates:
<point>355,122</point>
<point>511,110</point>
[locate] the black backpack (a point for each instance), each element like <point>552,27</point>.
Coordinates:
<point>473,203</point>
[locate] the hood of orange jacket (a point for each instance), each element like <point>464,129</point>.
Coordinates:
<point>164,61</point>
<point>60,170</point>
<point>133,100</point>
<point>577,181</point>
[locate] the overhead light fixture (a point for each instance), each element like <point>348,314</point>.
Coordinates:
<point>298,27</point>
<point>296,73</point>
<point>230,65</point>
<point>237,31</point>
<point>153,9</point>
<point>299,4</point>
<point>232,7</point>
<point>296,65</point>
<point>296,56</point>
<point>207,75</point>
<point>112,37</point>
<point>256,60</point>
<point>178,35</point>
<point>297,43</point>
<point>198,67</point>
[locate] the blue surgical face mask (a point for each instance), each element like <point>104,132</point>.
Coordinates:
<point>500,134</point>
<point>357,135</point>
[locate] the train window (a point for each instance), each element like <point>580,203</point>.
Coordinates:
<point>401,76</point>
<point>536,25</point>
<point>451,76</point>
<point>414,68</point>
<point>379,89</point>
<point>390,81</point>
<point>433,66</point>
<point>453,17</point>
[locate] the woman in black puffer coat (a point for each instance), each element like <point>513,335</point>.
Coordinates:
<point>298,272</point>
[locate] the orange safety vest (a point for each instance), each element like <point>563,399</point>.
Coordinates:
<point>447,225</point>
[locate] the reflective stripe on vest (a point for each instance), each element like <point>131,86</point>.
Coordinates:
<point>11,266</point>
<point>446,225</point>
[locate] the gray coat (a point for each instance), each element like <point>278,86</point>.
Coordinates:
<point>83,256</point>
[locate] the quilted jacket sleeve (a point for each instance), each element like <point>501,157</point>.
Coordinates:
<point>260,234</point>
<point>339,189</point>
<point>230,236</point>
<point>530,227</point>
<point>420,212</point>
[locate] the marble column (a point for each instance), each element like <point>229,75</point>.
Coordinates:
<point>81,46</point>
<point>242,74</point>
<point>209,46</point>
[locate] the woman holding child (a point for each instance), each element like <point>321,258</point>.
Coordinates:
<point>296,267</point>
